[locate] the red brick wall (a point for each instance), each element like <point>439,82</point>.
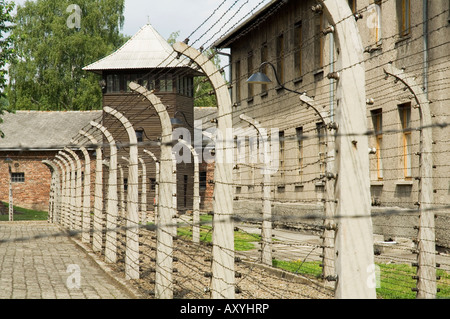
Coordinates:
<point>34,192</point>
<point>207,194</point>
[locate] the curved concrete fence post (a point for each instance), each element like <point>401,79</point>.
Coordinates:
<point>86,212</point>
<point>98,194</point>
<point>426,271</point>
<point>132,245</point>
<point>143,202</point>
<point>223,270</point>
<point>328,269</point>
<point>174,195</point>
<point>64,189</point>
<point>78,189</point>
<point>55,192</point>
<point>266,231</point>
<point>156,202</point>
<point>111,200</point>
<point>121,187</point>
<point>72,189</point>
<point>354,236</point>
<point>164,232</point>
<point>196,201</point>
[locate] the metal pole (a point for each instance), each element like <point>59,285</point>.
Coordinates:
<point>63,201</point>
<point>164,232</point>
<point>111,201</point>
<point>426,271</point>
<point>78,190</point>
<point>156,202</point>
<point>98,195</point>
<point>72,190</point>
<point>328,269</point>
<point>223,281</point>
<point>266,231</point>
<point>132,250</point>
<point>86,215</point>
<point>143,191</point>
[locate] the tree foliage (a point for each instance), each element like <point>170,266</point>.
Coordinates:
<point>6,18</point>
<point>6,51</point>
<point>52,41</point>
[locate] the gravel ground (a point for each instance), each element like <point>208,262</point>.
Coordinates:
<point>193,261</point>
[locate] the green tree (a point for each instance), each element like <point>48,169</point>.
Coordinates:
<point>203,90</point>
<point>6,50</point>
<point>53,40</point>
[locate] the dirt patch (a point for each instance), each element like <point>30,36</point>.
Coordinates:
<point>192,274</point>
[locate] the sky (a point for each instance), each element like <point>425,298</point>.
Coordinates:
<point>185,16</point>
<point>210,19</point>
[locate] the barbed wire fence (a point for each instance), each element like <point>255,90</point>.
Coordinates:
<point>297,197</point>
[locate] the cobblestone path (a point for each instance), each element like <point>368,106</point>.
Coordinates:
<point>49,267</point>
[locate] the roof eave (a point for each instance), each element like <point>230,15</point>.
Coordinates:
<point>227,39</point>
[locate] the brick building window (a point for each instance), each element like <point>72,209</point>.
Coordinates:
<point>202,180</point>
<point>299,135</point>
<point>282,149</point>
<point>17,177</point>
<point>152,184</point>
<point>352,5</point>
<point>374,21</point>
<point>280,57</point>
<point>377,119</point>
<point>237,71</point>
<point>404,17</point>
<point>250,69</point>
<point>318,42</point>
<point>264,58</point>
<point>405,119</point>
<point>298,49</point>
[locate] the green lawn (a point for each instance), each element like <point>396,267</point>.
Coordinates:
<point>395,279</point>
<point>22,214</point>
<point>242,241</point>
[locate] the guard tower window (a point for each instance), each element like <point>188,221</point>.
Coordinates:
<point>112,83</point>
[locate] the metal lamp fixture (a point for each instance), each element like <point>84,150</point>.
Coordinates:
<point>259,78</point>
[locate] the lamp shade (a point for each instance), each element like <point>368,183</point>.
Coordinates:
<point>258,78</point>
<point>175,121</point>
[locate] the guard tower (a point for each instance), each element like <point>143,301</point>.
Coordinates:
<point>150,61</point>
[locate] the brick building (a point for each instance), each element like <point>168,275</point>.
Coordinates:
<point>30,138</point>
<point>147,59</point>
<point>407,35</point>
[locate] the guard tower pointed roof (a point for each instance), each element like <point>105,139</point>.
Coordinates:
<point>147,49</point>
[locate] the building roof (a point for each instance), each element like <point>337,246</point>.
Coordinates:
<point>249,24</point>
<point>38,130</point>
<point>147,49</point>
